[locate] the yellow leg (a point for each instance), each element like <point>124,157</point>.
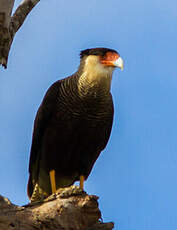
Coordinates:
<point>52,181</point>
<point>82,182</point>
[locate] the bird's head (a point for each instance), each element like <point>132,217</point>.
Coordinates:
<point>102,59</point>
<point>96,68</point>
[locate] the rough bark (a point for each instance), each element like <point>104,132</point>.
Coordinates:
<point>9,25</point>
<point>68,209</point>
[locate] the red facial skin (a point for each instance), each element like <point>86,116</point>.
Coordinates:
<point>109,58</point>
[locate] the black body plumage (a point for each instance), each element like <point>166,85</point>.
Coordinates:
<point>71,129</point>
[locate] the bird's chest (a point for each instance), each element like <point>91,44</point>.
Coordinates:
<point>81,109</point>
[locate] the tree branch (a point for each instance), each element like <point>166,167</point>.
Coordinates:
<point>10,25</point>
<point>6,7</point>
<point>21,13</point>
<point>5,14</point>
<point>70,208</point>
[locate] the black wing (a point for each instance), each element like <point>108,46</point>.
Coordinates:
<point>43,116</point>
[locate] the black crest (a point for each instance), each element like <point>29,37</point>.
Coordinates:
<point>96,51</point>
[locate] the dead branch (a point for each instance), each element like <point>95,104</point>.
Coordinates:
<point>9,25</point>
<point>69,209</point>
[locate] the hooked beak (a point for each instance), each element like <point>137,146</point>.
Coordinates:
<point>119,63</point>
<point>115,63</point>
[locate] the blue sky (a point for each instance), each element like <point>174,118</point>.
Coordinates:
<point>135,177</point>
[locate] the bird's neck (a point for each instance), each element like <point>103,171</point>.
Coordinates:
<point>94,79</point>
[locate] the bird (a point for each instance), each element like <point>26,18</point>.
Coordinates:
<point>73,124</point>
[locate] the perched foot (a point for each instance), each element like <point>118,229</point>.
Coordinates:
<point>51,197</point>
<point>82,182</point>
<point>73,190</point>
<point>52,181</point>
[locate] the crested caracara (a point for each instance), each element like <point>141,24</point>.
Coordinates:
<point>73,124</point>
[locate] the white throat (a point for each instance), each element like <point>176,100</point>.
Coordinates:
<point>95,75</point>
